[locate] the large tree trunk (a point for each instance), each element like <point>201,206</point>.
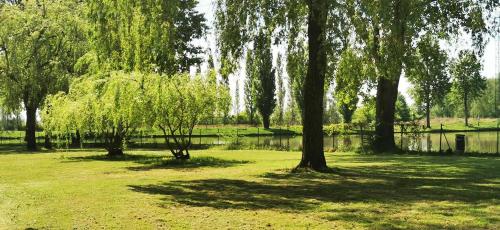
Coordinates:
<point>115,146</point>
<point>30,127</point>
<point>312,152</point>
<point>387,93</point>
<point>266,122</point>
<point>76,140</point>
<point>113,152</point>
<point>48,143</point>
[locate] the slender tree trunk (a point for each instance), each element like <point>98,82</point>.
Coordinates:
<point>387,92</point>
<point>312,139</point>
<point>466,110</point>
<point>428,113</point>
<point>31,127</point>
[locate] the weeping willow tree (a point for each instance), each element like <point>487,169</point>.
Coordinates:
<point>148,36</point>
<point>110,107</point>
<point>177,104</point>
<point>40,41</point>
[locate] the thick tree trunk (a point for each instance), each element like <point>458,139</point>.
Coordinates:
<point>312,139</point>
<point>48,142</point>
<point>113,152</point>
<point>76,139</point>
<point>266,122</point>
<point>387,93</point>
<point>31,128</point>
<point>115,147</point>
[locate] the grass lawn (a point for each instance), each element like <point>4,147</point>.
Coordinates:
<point>458,124</point>
<point>246,190</point>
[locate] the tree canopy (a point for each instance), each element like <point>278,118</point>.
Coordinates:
<point>39,44</point>
<point>468,83</point>
<point>110,107</point>
<point>428,72</point>
<point>388,30</point>
<point>178,103</point>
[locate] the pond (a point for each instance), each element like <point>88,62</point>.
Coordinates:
<point>480,142</point>
<point>476,142</point>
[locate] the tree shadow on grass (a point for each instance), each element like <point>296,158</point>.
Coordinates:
<point>396,186</point>
<point>7,149</point>
<point>151,162</point>
<point>195,162</point>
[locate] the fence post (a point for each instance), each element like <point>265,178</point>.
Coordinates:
<point>288,138</point>
<point>402,128</point>
<point>218,136</point>
<point>237,136</point>
<point>440,138</point>
<point>258,137</point>
<point>200,137</point>
<point>497,136</point>
<point>279,133</point>
<point>142,138</point>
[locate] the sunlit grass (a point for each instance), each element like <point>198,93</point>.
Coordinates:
<point>246,189</point>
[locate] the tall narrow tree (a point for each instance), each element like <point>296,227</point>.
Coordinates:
<point>314,83</point>
<point>266,85</point>
<point>468,84</point>
<point>189,26</point>
<point>348,81</point>
<point>250,88</point>
<point>427,71</point>
<point>280,93</point>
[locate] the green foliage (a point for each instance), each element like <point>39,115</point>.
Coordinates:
<point>484,105</point>
<point>366,113</point>
<point>177,105</point>
<point>402,110</point>
<point>446,109</point>
<point>250,87</point>
<point>297,69</point>
<point>331,114</point>
<point>280,92</point>
<point>468,84</point>
<point>428,74</point>
<point>388,30</point>
<point>152,35</point>
<point>111,107</point>
<point>39,44</point>
<point>266,85</point>
<point>189,26</point>
<point>133,35</point>
<point>349,78</point>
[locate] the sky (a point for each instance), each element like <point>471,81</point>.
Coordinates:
<point>489,59</point>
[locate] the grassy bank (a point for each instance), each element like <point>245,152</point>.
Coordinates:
<point>246,189</point>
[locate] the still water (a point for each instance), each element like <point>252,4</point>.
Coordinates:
<point>480,142</point>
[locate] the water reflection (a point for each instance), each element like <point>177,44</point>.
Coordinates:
<point>481,142</point>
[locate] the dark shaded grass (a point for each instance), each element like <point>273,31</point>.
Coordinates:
<point>150,162</point>
<point>402,181</point>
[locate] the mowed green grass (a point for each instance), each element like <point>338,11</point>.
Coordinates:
<point>220,189</point>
